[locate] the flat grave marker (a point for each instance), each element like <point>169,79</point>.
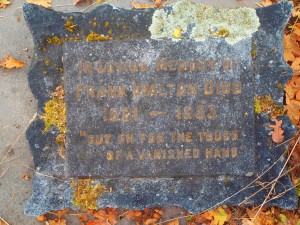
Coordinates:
<point>159,109</point>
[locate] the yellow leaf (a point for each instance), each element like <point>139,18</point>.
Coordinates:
<point>4,3</point>
<point>218,216</point>
<point>177,33</point>
<point>9,63</point>
<point>45,3</point>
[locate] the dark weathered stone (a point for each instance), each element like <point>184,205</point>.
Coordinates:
<point>183,108</point>
<point>194,193</point>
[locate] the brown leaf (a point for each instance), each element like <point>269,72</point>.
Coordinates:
<point>292,109</point>
<point>61,213</point>
<point>26,176</point>
<point>45,3</point>
<point>78,1</point>
<point>136,5</point>
<point>4,3</point>
<point>9,63</point>
<point>173,222</point>
<point>159,3</point>
<point>296,66</point>
<point>277,133</point>
<point>291,47</point>
<point>41,218</point>
<point>57,222</point>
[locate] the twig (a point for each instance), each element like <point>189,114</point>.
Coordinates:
<point>9,160</point>
<point>57,6</point>
<point>89,6</point>
<point>281,171</point>
<point>244,188</point>
<point>18,138</point>
<point>4,220</point>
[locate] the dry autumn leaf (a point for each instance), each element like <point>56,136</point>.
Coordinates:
<point>136,5</point>
<point>26,176</point>
<point>260,219</point>
<point>277,133</point>
<point>45,3</point>
<point>57,222</point>
<point>291,47</point>
<point>173,222</point>
<point>4,3</point>
<point>9,63</point>
<point>159,3</point>
<point>218,216</point>
<point>41,218</point>
<point>292,109</point>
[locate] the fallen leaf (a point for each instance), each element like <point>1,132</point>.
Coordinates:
<point>159,3</point>
<point>9,63</point>
<point>173,222</point>
<point>136,5</point>
<point>61,213</point>
<point>57,222</point>
<point>291,47</point>
<point>218,216</point>
<point>26,176</point>
<point>292,109</point>
<point>277,133</point>
<point>78,1</point>
<point>296,66</point>
<point>265,3</point>
<point>4,3</point>
<point>45,3</point>
<point>41,218</point>
<point>261,218</point>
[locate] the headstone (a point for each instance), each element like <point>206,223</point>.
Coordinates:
<point>159,109</point>
<point>164,113</point>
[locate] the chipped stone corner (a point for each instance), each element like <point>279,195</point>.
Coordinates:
<point>199,22</point>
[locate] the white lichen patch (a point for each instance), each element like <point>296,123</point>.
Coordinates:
<point>199,22</point>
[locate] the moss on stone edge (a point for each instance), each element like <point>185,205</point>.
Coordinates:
<point>86,194</point>
<point>198,21</point>
<point>55,111</point>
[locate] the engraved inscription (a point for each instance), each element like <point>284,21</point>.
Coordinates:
<point>181,114</point>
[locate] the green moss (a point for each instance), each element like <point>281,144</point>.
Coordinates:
<point>55,40</point>
<point>55,111</point>
<point>205,21</point>
<point>265,104</point>
<point>86,194</point>
<point>70,26</point>
<point>96,37</point>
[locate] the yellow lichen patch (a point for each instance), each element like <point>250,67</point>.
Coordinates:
<point>47,62</point>
<point>199,22</point>
<point>106,24</point>
<point>70,26</point>
<point>55,40</point>
<point>265,104</point>
<point>97,37</point>
<point>86,194</point>
<point>55,111</point>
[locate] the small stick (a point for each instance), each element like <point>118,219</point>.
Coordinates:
<point>10,160</point>
<point>57,6</point>
<point>4,220</point>
<point>17,140</point>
